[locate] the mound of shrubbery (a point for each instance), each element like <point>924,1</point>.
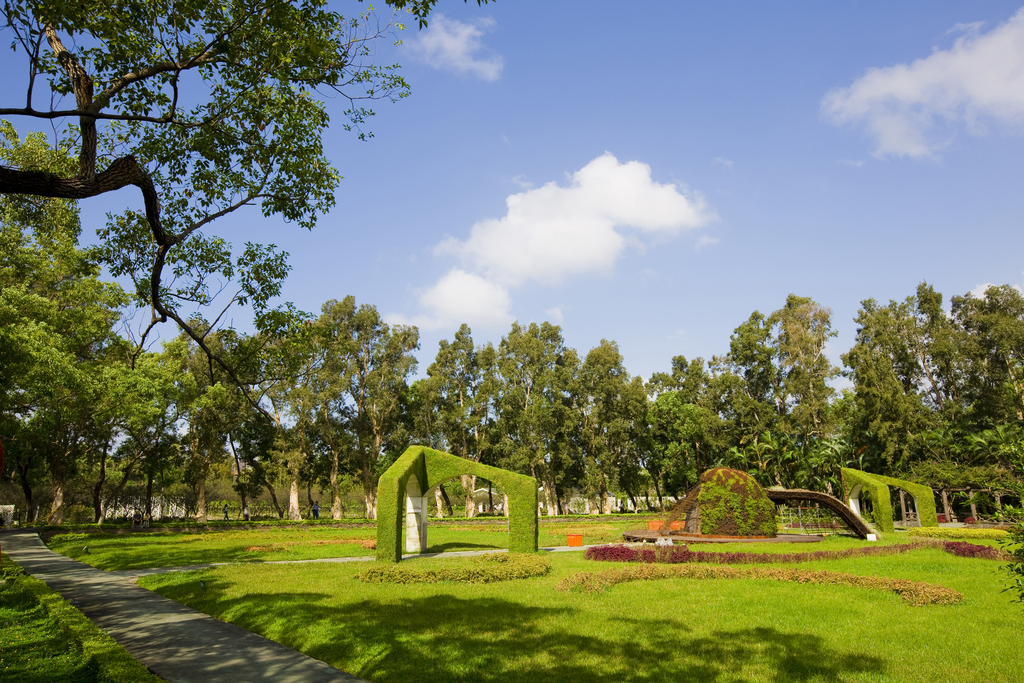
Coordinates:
<point>732,503</point>
<point>481,569</point>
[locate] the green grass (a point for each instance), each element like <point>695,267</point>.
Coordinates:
<point>673,630</point>
<point>44,639</point>
<point>143,549</point>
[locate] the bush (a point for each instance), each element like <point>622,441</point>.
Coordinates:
<point>1014,545</point>
<point>481,569</point>
<point>941,519</point>
<point>914,592</point>
<point>970,520</point>
<point>946,532</point>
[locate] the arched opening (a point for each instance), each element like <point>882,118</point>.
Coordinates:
<point>403,499</point>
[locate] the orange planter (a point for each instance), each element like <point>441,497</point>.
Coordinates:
<point>574,540</point>
<point>655,524</point>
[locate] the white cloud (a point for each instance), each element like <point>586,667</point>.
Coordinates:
<point>706,240</point>
<point>979,290</point>
<point>555,315</point>
<point>979,79</point>
<point>456,46</point>
<point>552,232</point>
<point>461,297</point>
<point>723,162</point>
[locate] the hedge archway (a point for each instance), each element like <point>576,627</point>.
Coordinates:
<point>417,471</point>
<point>878,485</point>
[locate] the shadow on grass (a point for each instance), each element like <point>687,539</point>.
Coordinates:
<point>450,547</point>
<point>448,638</point>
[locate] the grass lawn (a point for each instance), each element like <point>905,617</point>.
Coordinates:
<point>672,630</point>
<point>43,639</point>
<point>143,549</point>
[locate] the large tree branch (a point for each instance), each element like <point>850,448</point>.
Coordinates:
<point>81,84</point>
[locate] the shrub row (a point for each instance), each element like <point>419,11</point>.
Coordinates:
<point>482,569</point>
<point>955,532</point>
<point>668,555</point>
<point>914,592</point>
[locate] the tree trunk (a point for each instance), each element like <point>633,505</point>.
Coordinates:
<point>97,491</point>
<point>293,500</point>
<point>490,499</point>
<point>56,515</point>
<point>606,504</point>
<point>26,490</point>
<point>149,495</point>
<point>201,500</point>
<point>371,504</point>
<point>440,503</point>
<point>549,500</point>
<point>505,501</point>
<point>335,491</point>
<point>469,484</point>
<point>273,499</point>
<point>447,500</point>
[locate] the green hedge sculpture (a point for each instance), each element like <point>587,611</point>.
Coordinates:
<point>878,486</point>
<point>429,468</point>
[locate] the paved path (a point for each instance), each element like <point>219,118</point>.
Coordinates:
<point>176,642</point>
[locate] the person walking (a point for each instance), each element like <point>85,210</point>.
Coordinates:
<point>245,512</point>
<point>225,512</point>
<point>316,510</point>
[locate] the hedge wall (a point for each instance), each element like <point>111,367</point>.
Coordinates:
<point>878,486</point>
<point>433,467</point>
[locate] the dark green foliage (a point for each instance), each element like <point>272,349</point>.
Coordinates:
<point>432,467</point>
<point>732,503</point>
<point>1015,546</point>
<point>482,569</point>
<point>43,639</point>
<point>878,487</point>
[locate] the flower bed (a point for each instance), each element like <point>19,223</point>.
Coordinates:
<point>667,555</point>
<point>914,592</point>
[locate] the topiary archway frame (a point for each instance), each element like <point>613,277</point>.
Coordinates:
<point>878,485</point>
<point>417,471</point>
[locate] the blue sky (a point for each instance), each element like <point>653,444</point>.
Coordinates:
<point>653,173</point>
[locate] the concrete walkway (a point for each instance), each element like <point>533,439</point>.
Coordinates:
<point>175,642</point>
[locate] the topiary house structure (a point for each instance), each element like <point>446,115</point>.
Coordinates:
<point>855,481</point>
<point>726,502</point>
<point>418,471</point>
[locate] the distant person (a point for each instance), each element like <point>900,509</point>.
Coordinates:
<point>245,512</point>
<point>137,520</point>
<point>146,520</point>
<point>316,510</point>
<point>225,512</point>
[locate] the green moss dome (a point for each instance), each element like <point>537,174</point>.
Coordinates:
<point>732,503</point>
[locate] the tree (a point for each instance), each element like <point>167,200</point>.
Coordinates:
<point>535,368</point>
<point>606,404</point>
<point>462,383</point>
<point>374,362</point>
<point>205,108</point>
<point>56,327</point>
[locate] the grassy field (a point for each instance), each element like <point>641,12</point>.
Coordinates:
<point>143,549</point>
<point>676,629</point>
<point>44,639</point>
